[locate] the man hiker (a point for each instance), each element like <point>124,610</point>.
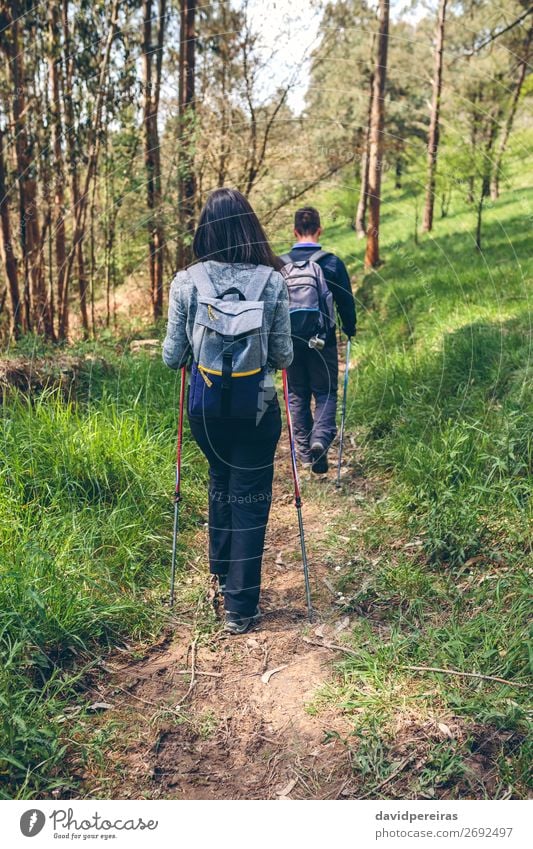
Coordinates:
<point>314,369</point>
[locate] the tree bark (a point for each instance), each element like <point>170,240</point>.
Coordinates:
<point>360,216</point>
<point>152,65</point>
<point>226,105</point>
<point>57,146</point>
<point>434,128</point>
<point>92,157</point>
<point>490,137</point>
<point>502,147</point>
<point>372,258</point>
<point>63,304</point>
<point>187,179</point>
<point>7,249</point>
<point>477,98</point>
<point>34,289</point>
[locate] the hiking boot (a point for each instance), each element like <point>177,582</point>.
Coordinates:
<point>320,458</point>
<point>237,624</point>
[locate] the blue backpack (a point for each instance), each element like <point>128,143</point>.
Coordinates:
<point>230,348</point>
<point>310,299</point>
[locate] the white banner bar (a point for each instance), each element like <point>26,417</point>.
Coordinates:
<point>257,824</point>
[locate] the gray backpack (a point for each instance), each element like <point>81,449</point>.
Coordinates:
<point>230,347</point>
<point>310,299</point>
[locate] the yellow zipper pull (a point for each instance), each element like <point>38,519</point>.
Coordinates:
<point>212,315</point>
<point>205,377</point>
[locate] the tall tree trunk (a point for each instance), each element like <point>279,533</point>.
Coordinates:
<point>92,256</point>
<point>187,179</point>
<point>92,160</point>
<point>34,289</point>
<point>477,111</point>
<point>42,132</point>
<point>63,304</point>
<point>522,70</point>
<point>490,137</point>
<point>152,64</point>
<point>7,250</point>
<point>224,100</point>
<point>360,224</point>
<point>57,146</point>
<point>372,259</point>
<point>434,128</point>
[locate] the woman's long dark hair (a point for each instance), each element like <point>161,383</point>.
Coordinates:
<point>229,231</point>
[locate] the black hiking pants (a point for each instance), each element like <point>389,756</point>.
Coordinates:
<point>313,375</point>
<point>241,467</point>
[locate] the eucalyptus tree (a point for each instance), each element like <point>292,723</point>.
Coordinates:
<point>434,124</point>
<point>152,54</point>
<point>377,122</point>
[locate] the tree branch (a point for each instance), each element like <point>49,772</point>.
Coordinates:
<point>494,35</point>
<point>268,216</point>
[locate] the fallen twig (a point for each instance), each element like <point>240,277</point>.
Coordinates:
<point>329,586</point>
<point>464,674</point>
<point>198,672</point>
<point>192,682</point>
<point>331,646</point>
<point>336,647</point>
<point>134,696</point>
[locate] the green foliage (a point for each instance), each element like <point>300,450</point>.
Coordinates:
<point>441,402</point>
<point>443,389</point>
<point>85,536</point>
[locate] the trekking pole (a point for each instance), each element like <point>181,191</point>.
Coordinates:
<point>343,417</point>
<point>177,490</point>
<point>297,497</point>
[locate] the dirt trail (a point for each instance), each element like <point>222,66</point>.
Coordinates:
<point>233,734</point>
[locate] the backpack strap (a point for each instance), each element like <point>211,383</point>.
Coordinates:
<point>202,280</point>
<point>320,254</point>
<point>286,258</point>
<point>256,286</point>
<point>227,370</point>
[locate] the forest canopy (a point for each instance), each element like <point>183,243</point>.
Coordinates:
<point>117,119</point>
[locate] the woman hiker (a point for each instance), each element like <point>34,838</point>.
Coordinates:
<point>229,315</point>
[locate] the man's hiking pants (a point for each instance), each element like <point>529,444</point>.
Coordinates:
<point>313,374</point>
<point>241,467</point>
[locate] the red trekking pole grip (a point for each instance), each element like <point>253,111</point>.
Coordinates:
<point>177,492</point>
<point>297,496</point>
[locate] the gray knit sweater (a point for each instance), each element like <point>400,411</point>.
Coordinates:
<point>182,304</point>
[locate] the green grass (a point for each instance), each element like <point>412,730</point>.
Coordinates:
<point>85,536</point>
<point>441,400</point>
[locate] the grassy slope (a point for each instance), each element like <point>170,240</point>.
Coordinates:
<point>439,403</point>
<point>441,400</point>
<point>85,523</point>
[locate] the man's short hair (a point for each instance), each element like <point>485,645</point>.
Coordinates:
<point>307,220</point>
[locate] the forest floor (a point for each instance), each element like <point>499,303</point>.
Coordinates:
<point>205,715</point>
